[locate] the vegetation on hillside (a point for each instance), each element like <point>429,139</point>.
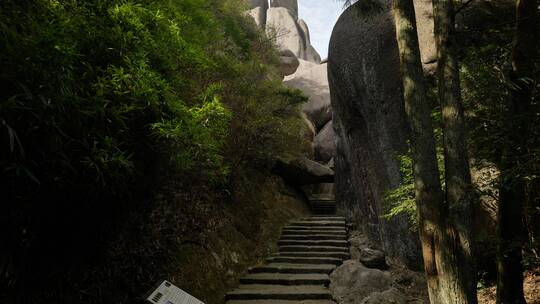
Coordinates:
<point>103,103</point>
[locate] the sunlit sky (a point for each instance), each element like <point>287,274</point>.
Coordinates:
<point>320,16</point>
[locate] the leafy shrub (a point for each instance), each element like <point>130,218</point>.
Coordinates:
<point>401,200</point>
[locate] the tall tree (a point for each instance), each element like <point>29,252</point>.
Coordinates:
<point>459,196</point>
<point>511,231</point>
<point>429,196</point>
<point>445,236</point>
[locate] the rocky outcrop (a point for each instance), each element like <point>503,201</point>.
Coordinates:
<point>390,296</point>
<point>259,16</point>
<point>373,258</point>
<point>352,282</point>
<point>289,62</point>
<point>257,3</point>
<point>324,144</point>
<point>282,27</point>
<point>303,171</point>
<point>312,54</point>
<point>291,5</point>
<point>312,79</point>
<point>257,10</point>
<point>370,125</point>
<point>300,65</point>
<point>305,29</point>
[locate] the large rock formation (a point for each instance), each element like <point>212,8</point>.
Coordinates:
<point>257,3</point>
<point>325,146</point>
<point>312,79</point>
<point>259,16</point>
<point>303,26</point>
<point>289,62</point>
<point>303,171</point>
<point>291,5</point>
<point>369,120</point>
<point>353,283</point>
<point>282,24</point>
<point>257,10</point>
<point>300,64</point>
<point>311,54</point>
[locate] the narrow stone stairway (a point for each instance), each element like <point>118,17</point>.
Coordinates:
<point>309,250</point>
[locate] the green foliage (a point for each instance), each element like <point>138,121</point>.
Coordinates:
<point>102,100</point>
<point>401,200</point>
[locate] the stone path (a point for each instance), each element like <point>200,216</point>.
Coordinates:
<point>309,250</point>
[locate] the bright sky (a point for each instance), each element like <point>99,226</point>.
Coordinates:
<point>320,16</point>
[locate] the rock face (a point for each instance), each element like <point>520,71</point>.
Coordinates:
<point>300,65</point>
<point>259,16</point>
<point>352,282</point>
<point>390,296</point>
<point>312,79</point>
<point>289,62</point>
<point>281,25</point>
<point>257,11</point>
<point>303,171</point>
<point>373,258</point>
<point>325,146</point>
<point>257,3</point>
<point>291,5</point>
<point>370,126</point>
<point>303,26</point>
<point>312,54</point>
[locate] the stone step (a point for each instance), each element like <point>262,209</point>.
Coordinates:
<point>304,260</point>
<point>294,268</point>
<point>324,211</point>
<point>318,223</point>
<point>315,254</point>
<point>286,279</point>
<point>281,302</point>
<point>299,248</point>
<point>279,292</point>
<point>313,231</point>
<point>324,218</point>
<point>311,236</point>
<point>326,228</point>
<point>313,243</point>
<point>325,206</point>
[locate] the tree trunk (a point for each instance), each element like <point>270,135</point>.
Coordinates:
<point>429,196</point>
<point>511,230</point>
<point>461,280</point>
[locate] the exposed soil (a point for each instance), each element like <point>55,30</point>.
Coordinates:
<point>531,287</point>
<point>411,283</point>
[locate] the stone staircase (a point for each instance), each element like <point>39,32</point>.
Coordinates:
<point>309,250</point>
<point>322,204</point>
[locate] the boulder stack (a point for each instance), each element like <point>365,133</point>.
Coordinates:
<point>302,69</point>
